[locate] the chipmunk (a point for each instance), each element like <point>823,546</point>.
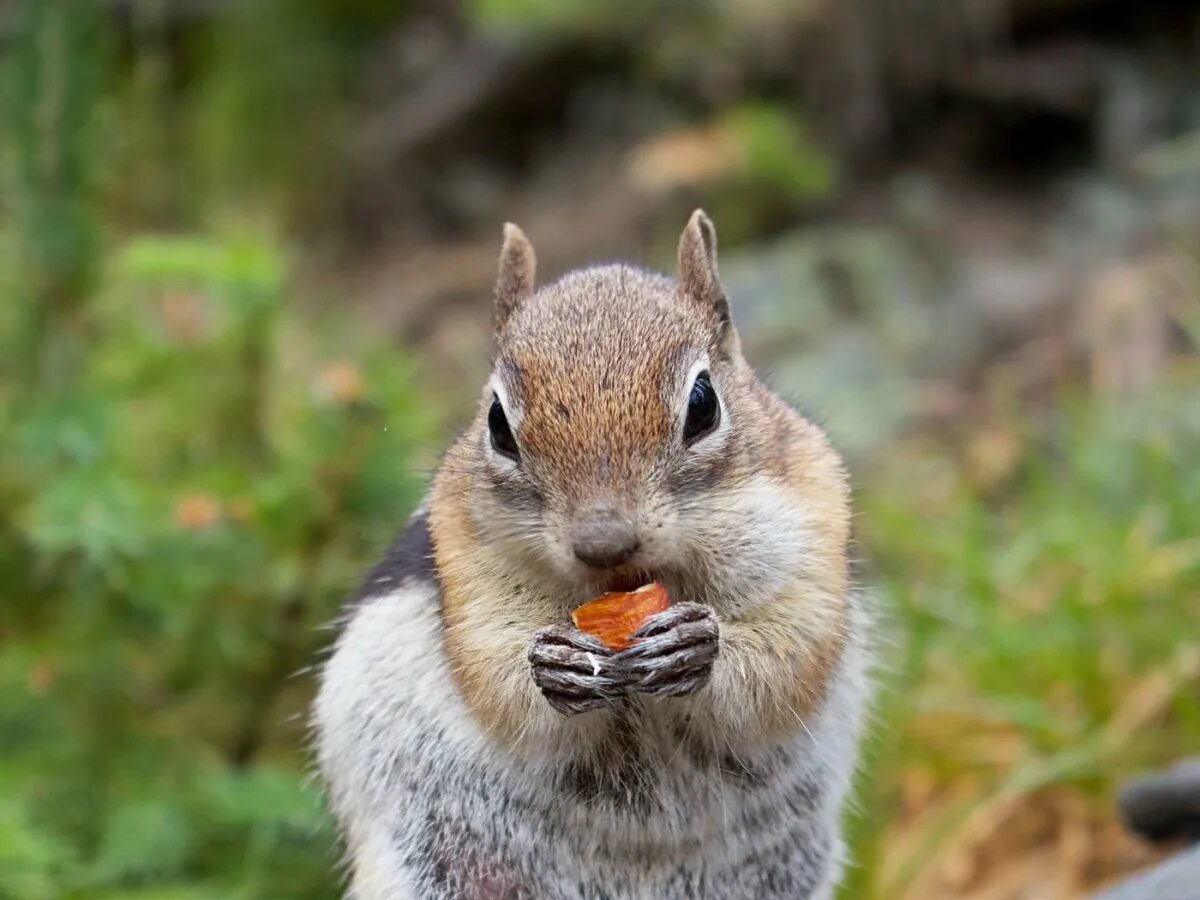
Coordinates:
<point>476,745</point>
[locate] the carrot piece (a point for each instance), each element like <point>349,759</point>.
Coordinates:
<point>614,617</point>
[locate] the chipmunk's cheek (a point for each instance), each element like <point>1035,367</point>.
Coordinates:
<point>755,540</point>
<point>559,553</point>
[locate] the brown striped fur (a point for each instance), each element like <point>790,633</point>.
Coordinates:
<point>593,372</point>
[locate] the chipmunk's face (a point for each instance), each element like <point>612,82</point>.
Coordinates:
<point>622,438</point>
<point>609,417</point>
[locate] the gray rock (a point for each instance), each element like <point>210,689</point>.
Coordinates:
<point>1166,805</point>
<point>1176,879</point>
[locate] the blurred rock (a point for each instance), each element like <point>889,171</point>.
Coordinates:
<point>1177,879</point>
<point>1165,806</point>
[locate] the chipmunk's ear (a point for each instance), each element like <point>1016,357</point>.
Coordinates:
<point>514,281</point>
<point>698,280</point>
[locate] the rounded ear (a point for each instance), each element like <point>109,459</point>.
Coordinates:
<point>698,280</point>
<point>515,280</point>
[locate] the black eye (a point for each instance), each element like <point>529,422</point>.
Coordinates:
<point>502,436</point>
<point>703,410</point>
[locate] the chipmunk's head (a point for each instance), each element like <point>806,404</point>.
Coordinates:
<point>612,417</point>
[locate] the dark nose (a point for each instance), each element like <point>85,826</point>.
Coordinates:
<point>603,537</point>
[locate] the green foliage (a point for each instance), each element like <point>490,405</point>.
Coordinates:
<point>267,111</point>
<point>775,167</point>
<point>31,859</point>
<point>1042,623</point>
<point>178,520</point>
<point>777,154</point>
<point>52,81</point>
<point>192,476</point>
<point>536,17</point>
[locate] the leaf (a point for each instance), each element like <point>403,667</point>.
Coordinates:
<point>237,264</point>
<point>142,839</point>
<point>31,859</point>
<point>262,797</point>
<point>94,514</point>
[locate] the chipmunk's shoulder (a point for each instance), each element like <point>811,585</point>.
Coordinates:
<point>409,558</point>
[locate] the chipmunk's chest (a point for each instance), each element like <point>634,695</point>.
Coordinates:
<point>645,764</point>
<point>649,807</point>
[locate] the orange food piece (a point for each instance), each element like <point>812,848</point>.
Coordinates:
<point>614,617</point>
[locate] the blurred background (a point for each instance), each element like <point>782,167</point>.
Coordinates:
<point>246,256</point>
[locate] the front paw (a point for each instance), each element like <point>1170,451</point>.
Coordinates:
<point>673,653</point>
<point>573,670</point>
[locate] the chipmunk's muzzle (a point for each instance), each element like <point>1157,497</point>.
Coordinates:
<point>603,537</point>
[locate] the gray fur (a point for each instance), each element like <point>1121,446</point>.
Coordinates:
<point>648,807</point>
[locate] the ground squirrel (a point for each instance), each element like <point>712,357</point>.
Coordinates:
<point>476,745</point>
